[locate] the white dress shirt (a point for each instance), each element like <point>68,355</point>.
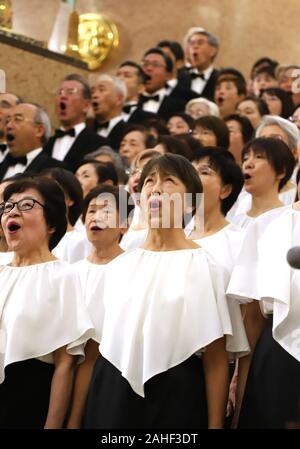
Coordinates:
<point>104,132</point>
<point>153,106</point>
<point>63,144</point>
<point>20,168</point>
<point>198,84</point>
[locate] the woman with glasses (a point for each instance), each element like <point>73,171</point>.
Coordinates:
<point>162,365</point>
<point>43,320</point>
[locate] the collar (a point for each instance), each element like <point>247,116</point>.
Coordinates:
<point>33,154</point>
<point>78,128</point>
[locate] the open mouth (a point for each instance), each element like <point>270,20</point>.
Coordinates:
<point>10,137</point>
<point>246,176</point>
<point>13,227</point>
<point>96,228</point>
<point>62,106</point>
<point>155,204</point>
<point>220,100</point>
<point>95,104</point>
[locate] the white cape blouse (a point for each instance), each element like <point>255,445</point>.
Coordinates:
<point>41,310</point>
<point>159,309</point>
<point>262,273</point>
<point>91,279</point>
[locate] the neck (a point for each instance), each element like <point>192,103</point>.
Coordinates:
<point>264,203</point>
<point>214,221</point>
<point>68,125</point>
<point>108,116</point>
<point>35,256</point>
<point>203,66</point>
<point>296,206</point>
<point>167,240</point>
<point>69,227</point>
<point>104,254</point>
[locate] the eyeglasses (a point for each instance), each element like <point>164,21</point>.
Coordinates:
<point>133,171</point>
<point>18,118</point>
<point>154,64</point>
<point>67,91</point>
<point>22,205</point>
<point>295,119</point>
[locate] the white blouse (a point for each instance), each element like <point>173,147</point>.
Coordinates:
<point>74,246</point>
<point>91,279</point>
<point>41,310</point>
<point>244,220</point>
<point>262,273</point>
<point>6,257</point>
<point>159,309</point>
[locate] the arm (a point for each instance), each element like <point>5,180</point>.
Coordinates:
<point>61,388</point>
<point>254,324</point>
<point>82,383</point>
<point>215,363</point>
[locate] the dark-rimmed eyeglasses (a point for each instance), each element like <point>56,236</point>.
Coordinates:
<point>22,205</point>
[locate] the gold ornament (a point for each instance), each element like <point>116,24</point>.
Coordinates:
<point>97,37</point>
<point>6,14</point>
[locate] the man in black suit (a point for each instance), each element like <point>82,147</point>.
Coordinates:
<point>199,75</point>
<point>108,98</point>
<point>135,78</point>
<point>73,140</point>
<point>27,129</point>
<point>160,97</point>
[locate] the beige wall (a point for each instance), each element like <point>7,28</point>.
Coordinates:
<point>247,29</point>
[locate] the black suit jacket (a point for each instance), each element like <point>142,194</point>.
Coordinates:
<point>185,80</point>
<point>139,116</point>
<point>174,102</point>
<point>86,142</point>
<point>115,135</point>
<point>39,163</point>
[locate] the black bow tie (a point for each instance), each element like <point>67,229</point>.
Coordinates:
<point>127,108</point>
<point>195,75</point>
<point>145,98</point>
<point>3,147</point>
<point>12,161</point>
<point>61,133</point>
<point>103,125</point>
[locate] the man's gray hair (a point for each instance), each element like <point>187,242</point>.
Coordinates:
<point>118,83</point>
<point>289,128</point>
<point>212,40</point>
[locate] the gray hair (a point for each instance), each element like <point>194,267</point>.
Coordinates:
<point>289,128</point>
<point>118,83</point>
<point>212,40</point>
<point>212,107</point>
<point>41,118</point>
<point>105,150</point>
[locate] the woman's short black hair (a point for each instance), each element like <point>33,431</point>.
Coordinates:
<point>174,145</point>
<point>287,104</point>
<point>246,127</point>
<point>124,201</point>
<point>105,171</point>
<point>277,153</point>
<point>54,203</point>
<point>185,117</point>
<point>259,102</point>
<point>217,126</point>
<point>223,162</point>
<point>71,186</point>
<point>179,166</point>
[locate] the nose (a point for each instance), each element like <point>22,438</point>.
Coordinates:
<point>249,162</point>
<point>157,187</point>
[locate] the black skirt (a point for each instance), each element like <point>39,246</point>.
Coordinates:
<point>173,399</point>
<point>272,394</point>
<point>24,395</point>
